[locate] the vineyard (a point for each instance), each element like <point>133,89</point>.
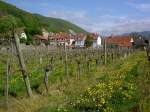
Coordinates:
<point>75,80</point>
<point>52,65</point>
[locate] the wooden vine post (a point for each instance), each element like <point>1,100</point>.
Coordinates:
<point>22,65</point>
<point>96,63</point>
<point>148,49</point>
<point>78,68</point>
<point>66,63</point>
<point>89,65</point>
<point>6,92</point>
<point>105,52</point>
<point>48,68</point>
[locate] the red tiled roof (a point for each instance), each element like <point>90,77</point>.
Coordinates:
<point>40,37</point>
<point>122,41</point>
<point>66,37</point>
<point>60,37</point>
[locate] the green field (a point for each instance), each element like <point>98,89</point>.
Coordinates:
<point>120,86</point>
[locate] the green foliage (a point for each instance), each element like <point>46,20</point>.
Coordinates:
<point>8,24</point>
<point>89,41</point>
<point>57,25</point>
<point>22,40</point>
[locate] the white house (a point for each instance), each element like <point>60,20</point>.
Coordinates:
<point>23,36</point>
<point>97,42</point>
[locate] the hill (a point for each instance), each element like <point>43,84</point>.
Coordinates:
<point>145,34</point>
<point>35,22</point>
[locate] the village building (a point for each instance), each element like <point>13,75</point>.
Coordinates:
<point>40,40</point>
<point>97,40</point>
<point>68,39</point>
<point>119,41</point>
<point>61,39</point>
<point>80,40</point>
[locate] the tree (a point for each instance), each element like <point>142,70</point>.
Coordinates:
<point>88,41</point>
<point>9,29</point>
<point>5,28</point>
<point>8,25</point>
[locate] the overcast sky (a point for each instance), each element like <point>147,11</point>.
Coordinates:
<point>102,16</point>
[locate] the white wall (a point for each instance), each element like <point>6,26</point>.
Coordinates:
<point>79,43</point>
<point>23,36</point>
<point>71,41</point>
<point>97,43</point>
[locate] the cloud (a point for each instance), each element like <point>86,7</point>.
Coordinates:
<point>140,6</point>
<point>80,18</point>
<point>133,25</point>
<point>104,24</point>
<point>122,24</point>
